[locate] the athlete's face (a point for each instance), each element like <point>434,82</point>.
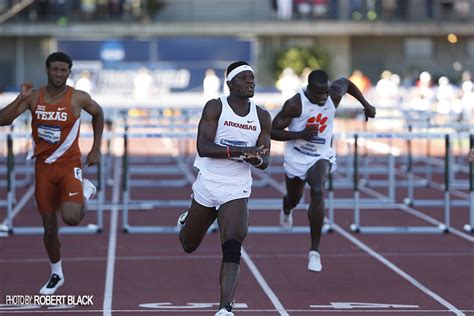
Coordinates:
<point>318,92</point>
<point>243,84</point>
<point>58,72</point>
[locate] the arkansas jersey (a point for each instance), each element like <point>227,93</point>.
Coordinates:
<point>55,130</point>
<point>232,130</point>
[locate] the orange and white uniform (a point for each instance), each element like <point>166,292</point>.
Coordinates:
<point>55,133</point>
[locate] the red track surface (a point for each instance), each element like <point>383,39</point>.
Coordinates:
<point>404,274</point>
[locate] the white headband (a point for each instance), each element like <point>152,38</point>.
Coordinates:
<point>237,70</point>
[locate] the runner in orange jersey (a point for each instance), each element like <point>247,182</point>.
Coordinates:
<point>59,187</point>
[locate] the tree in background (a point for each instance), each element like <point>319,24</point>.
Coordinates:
<point>299,58</point>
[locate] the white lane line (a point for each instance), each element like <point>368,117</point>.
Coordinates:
<point>421,215</point>
<point>241,311</point>
<point>386,262</point>
<point>109,278</point>
<point>397,270</point>
<point>286,254</point>
<point>263,284</point>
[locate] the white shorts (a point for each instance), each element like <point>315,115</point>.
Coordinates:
<point>211,193</point>
<point>299,169</point>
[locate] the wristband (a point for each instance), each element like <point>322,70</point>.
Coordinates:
<point>260,163</point>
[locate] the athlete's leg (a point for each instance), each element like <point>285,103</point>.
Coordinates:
<point>50,237</point>
<point>233,224</point>
<point>47,200</point>
<point>53,247</point>
<point>198,220</point>
<point>294,192</point>
<point>316,177</point>
<point>73,200</point>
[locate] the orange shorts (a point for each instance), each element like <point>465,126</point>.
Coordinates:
<point>57,183</point>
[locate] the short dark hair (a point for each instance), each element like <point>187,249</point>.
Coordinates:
<point>318,77</point>
<point>235,65</point>
<point>59,56</point>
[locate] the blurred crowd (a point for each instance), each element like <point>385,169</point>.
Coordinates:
<point>371,9</point>
<point>63,10</point>
<point>454,102</point>
<point>146,10</point>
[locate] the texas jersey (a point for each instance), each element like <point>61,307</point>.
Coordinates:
<point>55,129</point>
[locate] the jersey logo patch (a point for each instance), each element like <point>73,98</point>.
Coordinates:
<point>318,122</point>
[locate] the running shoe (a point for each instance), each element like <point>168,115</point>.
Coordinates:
<point>181,220</point>
<point>286,220</point>
<point>52,285</point>
<point>226,310</point>
<point>314,261</point>
<point>89,190</point>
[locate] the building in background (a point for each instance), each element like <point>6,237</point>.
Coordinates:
<point>405,37</point>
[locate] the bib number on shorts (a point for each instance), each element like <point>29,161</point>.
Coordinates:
<point>78,173</point>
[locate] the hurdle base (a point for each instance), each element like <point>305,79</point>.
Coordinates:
<point>35,230</point>
<point>468,228</point>
<point>252,229</point>
<point>441,229</point>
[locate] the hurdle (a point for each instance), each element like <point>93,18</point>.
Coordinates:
<point>469,227</point>
<point>11,169</point>
<point>12,211</point>
<point>447,186</point>
<point>128,203</point>
<point>441,228</point>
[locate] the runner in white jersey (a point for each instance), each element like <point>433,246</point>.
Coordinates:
<point>233,134</point>
<point>306,122</point>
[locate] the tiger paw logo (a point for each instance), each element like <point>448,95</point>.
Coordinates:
<point>318,122</point>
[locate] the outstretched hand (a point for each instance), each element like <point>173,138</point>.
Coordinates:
<point>369,111</point>
<point>26,89</point>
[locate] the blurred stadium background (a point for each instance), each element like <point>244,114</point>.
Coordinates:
<point>152,65</point>
<point>165,47</point>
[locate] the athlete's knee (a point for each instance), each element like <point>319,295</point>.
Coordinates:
<point>188,247</point>
<point>231,251</point>
<point>72,213</point>
<point>317,193</point>
<point>50,230</point>
<point>72,219</point>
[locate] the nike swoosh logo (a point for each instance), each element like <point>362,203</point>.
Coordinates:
<point>245,191</point>
<point>73,193</point>
<point>249,122</point>
<point>60,109</point>
<point>326,109</point>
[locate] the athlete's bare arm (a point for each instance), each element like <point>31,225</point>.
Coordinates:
<point>85,102</point>
<point>207,130</point>
<point>342,86</point>
<point>21,104</point>
<point>291,109</point>
<point>263,140</point>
